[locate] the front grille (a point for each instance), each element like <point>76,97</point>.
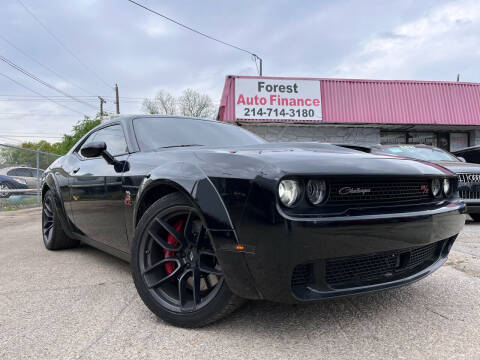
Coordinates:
<point>301,275</point>
<point>368,269</point>
<point>472,191</point>
<point>469,195</point>
<point>347,192</point>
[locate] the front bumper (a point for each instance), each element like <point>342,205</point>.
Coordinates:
<point>274,251</point>
<point>473,206</point>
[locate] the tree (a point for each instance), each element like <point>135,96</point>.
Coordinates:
<point>190,103</point>
<point>194,104</point>
<point>13,156</point>
<point>78,131</point>
<point>164,103</point>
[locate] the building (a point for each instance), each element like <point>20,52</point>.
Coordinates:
<point>443,114</point>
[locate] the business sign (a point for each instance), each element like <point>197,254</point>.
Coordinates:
<point>270,99</point>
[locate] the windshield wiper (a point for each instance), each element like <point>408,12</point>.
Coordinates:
<point>184,145</point>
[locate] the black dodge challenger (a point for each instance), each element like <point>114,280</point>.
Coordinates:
<point>209,214</point>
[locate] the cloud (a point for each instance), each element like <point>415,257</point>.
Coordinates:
<point>444,34</point>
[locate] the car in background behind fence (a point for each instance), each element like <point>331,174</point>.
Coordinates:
<point>7,184</point>
<point>21,171</point>
<point>24,175</point>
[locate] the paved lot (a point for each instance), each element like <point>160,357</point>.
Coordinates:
<point>82,304</point>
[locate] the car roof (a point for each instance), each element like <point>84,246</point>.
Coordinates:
<point>129,117</point>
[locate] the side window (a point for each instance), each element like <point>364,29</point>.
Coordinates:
<point>19,172</point>
<point>114,138</point>
<point>90,139</point>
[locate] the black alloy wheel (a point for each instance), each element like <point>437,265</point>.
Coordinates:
<point>175,268</point>
<point>48,220</point>
<point>54,237</point>
<point>178,264</point>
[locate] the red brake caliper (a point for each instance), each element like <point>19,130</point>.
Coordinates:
<point>170,266</point>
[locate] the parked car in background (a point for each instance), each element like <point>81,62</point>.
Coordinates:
<point>23,175</point>
<point>470,154</point>
<point>468,173</point>
<point>8,183</point>
<point>209,214</point>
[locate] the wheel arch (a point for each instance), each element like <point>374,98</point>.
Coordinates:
<point>50,183</point>
<point>189,180</point>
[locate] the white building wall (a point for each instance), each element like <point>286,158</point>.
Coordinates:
<point>343,135</point>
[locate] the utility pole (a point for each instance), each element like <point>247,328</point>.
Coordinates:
<point>117,101</point>
<point>102,101</point>
<point>260,70</point>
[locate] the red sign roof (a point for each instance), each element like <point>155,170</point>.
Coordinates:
<point>381,101</point>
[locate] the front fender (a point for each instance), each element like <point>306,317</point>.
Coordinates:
<point>51,182</point>
<point>195,184</point>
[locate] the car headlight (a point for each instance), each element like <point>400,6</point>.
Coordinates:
<point>316,191</point>
<point>436,187</point>
<point>20,181</point>
<point>289,191</point>
<point>446,186</point>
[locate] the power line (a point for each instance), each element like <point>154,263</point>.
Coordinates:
<point>200,33</point>
<point>32,136</point>
<point>46,97</point>
<point>36,78</point>
<point>64,46</point>
<point>44,66</point>
<point>32,114</point>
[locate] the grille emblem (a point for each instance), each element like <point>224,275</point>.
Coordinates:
<point>425,189</point>
<point>350,191</point>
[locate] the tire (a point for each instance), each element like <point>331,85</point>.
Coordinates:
<point>53,235</point>
<point>5,186</point>
<point>191,291</point>
<point>475,217</point>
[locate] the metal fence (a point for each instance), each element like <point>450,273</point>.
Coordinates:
<point>21,171</point>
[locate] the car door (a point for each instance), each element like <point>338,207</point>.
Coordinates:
<point>97,193</point>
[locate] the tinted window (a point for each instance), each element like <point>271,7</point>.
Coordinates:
<point>20,172</point>
<point>155,133</point>
<point>422,153</point>
<point>113,137</point>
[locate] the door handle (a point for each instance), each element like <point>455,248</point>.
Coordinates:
<point>75,170</point>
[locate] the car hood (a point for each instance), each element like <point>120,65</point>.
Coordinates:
<point>460,167</point>
<point>312,158</point>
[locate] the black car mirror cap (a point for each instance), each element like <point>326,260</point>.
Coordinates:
<point>94,149</point>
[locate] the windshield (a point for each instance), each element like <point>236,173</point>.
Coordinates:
<point>155,133</point>
<point>421,153</point>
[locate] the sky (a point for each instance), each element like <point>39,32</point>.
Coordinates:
<point>113,41</point>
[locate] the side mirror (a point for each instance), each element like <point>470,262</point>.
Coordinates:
<point>462,159</point>
<point>94,149</point>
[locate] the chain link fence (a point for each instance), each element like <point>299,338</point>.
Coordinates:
<point>21,172</point>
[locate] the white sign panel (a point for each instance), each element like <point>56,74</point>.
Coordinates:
<point>271,99</point>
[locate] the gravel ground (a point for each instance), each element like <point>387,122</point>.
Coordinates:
<point>82,304</point>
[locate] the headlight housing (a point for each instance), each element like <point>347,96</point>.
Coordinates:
<point>436,187</point>
<point>20,181</point>
<point>316,191</point>
<point>289,192</point>
<point>446,186</point>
